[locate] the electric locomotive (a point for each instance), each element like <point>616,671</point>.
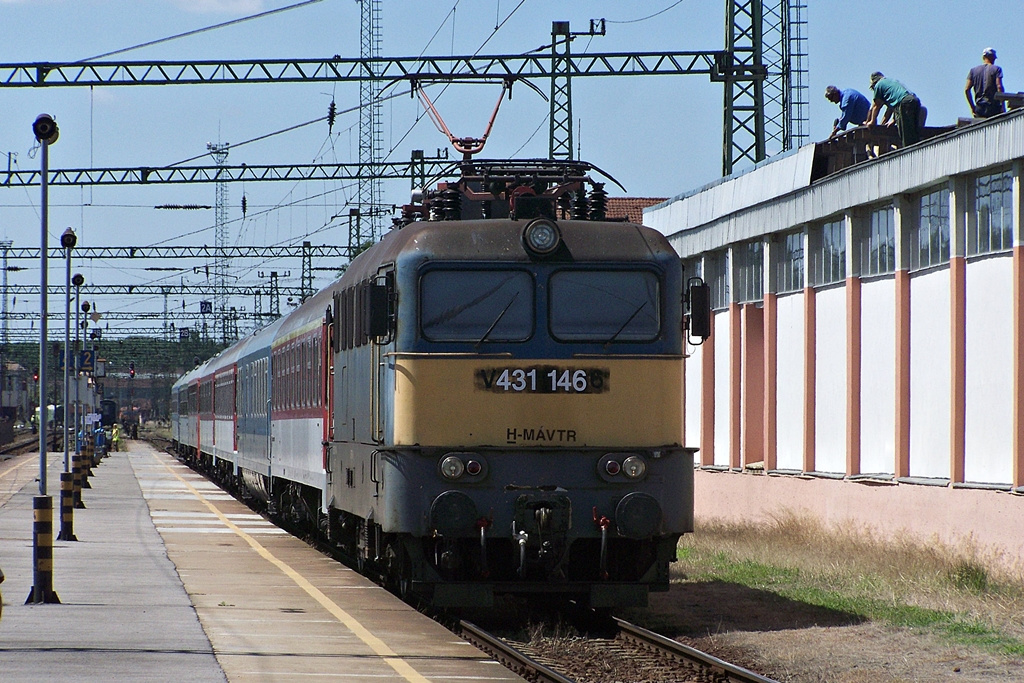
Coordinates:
<point>488,401</point>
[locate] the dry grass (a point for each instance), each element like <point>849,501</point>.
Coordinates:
<point>858,567</point>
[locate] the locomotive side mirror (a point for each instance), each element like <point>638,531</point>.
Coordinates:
<point>698,310</point>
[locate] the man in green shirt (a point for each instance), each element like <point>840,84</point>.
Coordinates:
<point>897,99</point>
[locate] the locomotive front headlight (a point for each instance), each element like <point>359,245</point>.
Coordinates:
<point>634,467</point>
<point>541,236</point>
<point>452,467</point>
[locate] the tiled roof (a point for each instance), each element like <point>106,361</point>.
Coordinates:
<point>630,208</point>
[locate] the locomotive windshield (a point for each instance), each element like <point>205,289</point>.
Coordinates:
<point>604,306</point>
<point>477,305</point>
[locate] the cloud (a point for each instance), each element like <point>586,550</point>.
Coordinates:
<point>217,6</point>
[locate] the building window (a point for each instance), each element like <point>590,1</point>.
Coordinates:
<point>929,240</point>
<point>749,271</point>
<point>789,268</point>
<point>876,244</point>
<point>692,267</point>
<point>717,264</point>
<point>991,231</point>
<point>828,253</point>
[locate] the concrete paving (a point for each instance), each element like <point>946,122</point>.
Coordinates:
<point>124,614</point>
<point>171,578</point>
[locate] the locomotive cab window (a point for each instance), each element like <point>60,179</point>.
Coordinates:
<point>605,305</point>
<point>477,305</point>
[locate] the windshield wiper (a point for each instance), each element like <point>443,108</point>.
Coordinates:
<point>625,324</point>
<point>495,323</point>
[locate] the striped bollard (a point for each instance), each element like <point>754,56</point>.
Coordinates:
<point>42,552</point>
<point>77,477</point>
<point>85,462</point>
<point>67,507</point>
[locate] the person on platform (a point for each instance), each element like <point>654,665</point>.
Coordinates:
<point>853,106</point>
<point>115,438</point>
<point>897,100</point>
<point>983,82</point>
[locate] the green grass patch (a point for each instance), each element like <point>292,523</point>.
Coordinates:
<point>871,596</point>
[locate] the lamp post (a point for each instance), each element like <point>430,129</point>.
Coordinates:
<point>46,132</point>
<point>67,487</point>
<point>68,241</point>
<point>77,281</point>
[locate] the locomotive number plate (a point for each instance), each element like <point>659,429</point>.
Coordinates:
<point>542,379</point>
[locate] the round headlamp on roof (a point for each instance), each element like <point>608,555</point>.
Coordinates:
<point>541,237</point>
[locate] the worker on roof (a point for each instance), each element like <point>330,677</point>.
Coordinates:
<point>898,100</point>
<point>984,81</point>
<point>853,105</point>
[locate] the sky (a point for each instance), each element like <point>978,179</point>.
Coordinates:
<point>657,135</point>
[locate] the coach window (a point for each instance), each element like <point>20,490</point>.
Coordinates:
<point>929,238</point>
<point>604,305</point>
<point>876,243</point>
<point>991,221</point>
<point>476,305</point>
<point>789,266</point>
<point>828,253</point>
<point>748,271</point>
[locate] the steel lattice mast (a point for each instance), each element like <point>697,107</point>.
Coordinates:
<point>219,152</point>
<point>371,137</point>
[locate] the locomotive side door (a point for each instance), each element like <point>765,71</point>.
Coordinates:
<point>381,331</point>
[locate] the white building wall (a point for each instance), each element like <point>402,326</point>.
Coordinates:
<point>878,377</point>
<point>694,375</point>
<point>830,380</point>
<point>790,382</point>
<point>929,374</point>
<point>723,382</point>
<point>988,431</point>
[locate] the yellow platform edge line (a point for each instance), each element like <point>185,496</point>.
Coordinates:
<point>379,647</point>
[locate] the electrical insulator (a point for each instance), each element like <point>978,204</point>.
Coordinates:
<point>598,202</point>
<point>451,204</point>
<point>332,114</point>
<point>580,206</point>
<point>245,205</point>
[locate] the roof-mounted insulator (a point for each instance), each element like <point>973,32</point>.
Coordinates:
<point>598,202</point>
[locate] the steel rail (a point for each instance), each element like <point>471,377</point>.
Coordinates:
<point>724,671</point>
<point>509,656</point>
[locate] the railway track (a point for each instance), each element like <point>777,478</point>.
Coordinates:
<point>632,653</point>
<point>22,443</point>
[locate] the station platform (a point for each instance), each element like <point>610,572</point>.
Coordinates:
<point>171,578</point>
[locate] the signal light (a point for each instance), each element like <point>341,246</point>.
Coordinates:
<point>131,370</point>
<point>35,375</point>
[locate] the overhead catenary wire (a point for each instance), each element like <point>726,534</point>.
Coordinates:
<point>197,31</point>
<point>650,16</point>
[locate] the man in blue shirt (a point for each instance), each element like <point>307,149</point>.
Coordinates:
<point>897,99</point>
<point>852,104</point>
<point>985,80</point>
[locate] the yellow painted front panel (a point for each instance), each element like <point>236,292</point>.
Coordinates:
<point>442,402</point>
